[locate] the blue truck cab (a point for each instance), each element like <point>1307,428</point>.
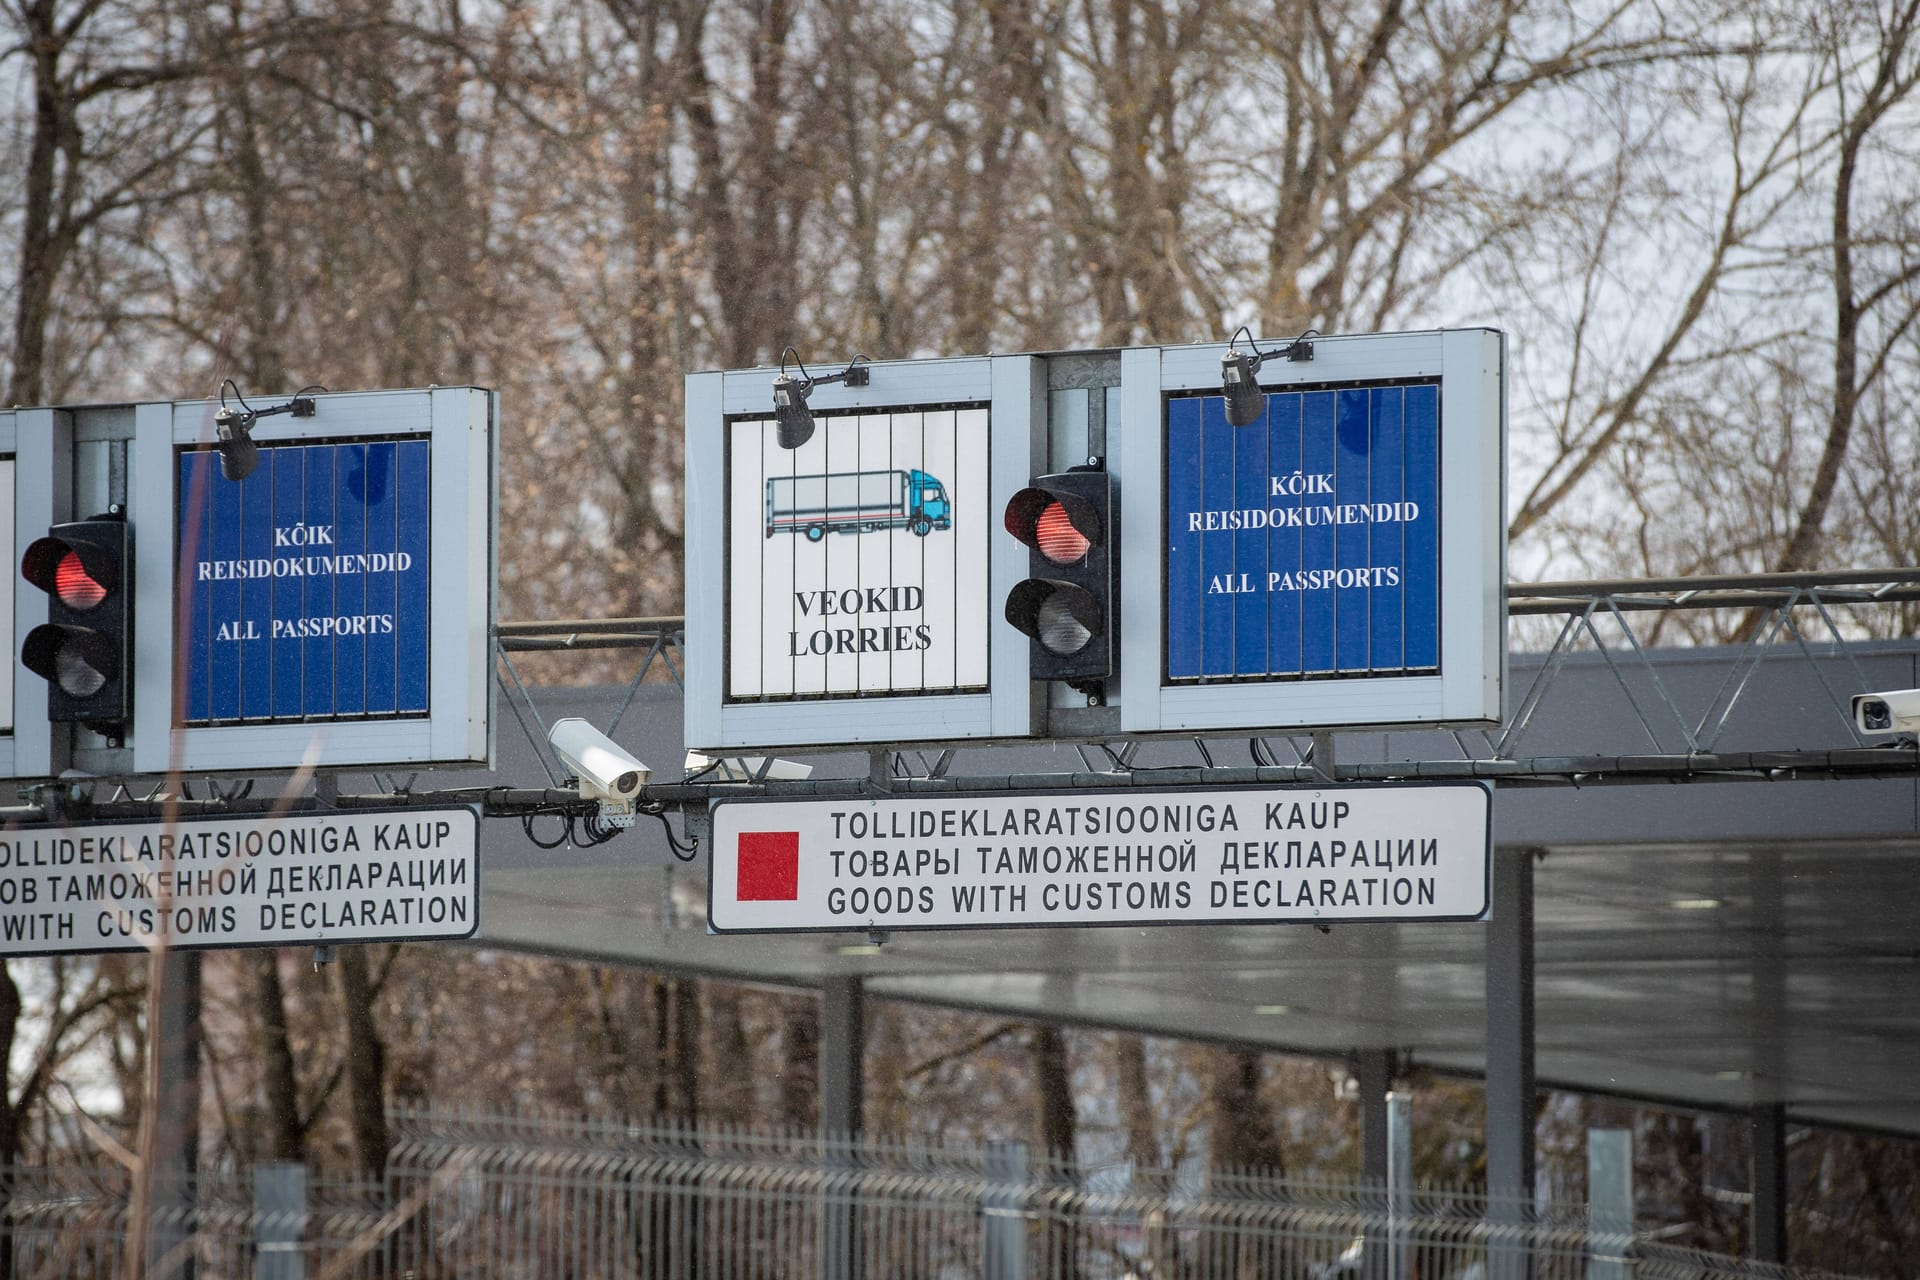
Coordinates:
<point>857,502</point>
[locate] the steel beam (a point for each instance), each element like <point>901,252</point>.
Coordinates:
<point>843,1022</point>
<point>1769,1175</point>
<point>1510,1063</point>
<point>842,1043</point>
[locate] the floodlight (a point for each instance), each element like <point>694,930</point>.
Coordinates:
<point>790,413</point>
<point>233,428</point>
<point>1246,401</point>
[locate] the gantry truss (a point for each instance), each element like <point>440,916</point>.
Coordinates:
<point>1824,624</point>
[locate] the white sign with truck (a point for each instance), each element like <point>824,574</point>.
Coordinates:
<point>856,562</point>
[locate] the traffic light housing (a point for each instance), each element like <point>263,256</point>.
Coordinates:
<point>1068,606</point>
<point>84,648</point>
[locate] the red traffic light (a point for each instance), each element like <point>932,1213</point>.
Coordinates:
<point>84,648</point>
<point>74,585</point>
<point>77,574</point>
<point>1061,526</point>
<point>1067,606</point>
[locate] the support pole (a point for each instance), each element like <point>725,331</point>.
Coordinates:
<point>843,1033</point>
<point>1510,1064</point>
<point>1610,1200</point>
<point>1767,1105</point>
<point>1400,1184</point>
<point>176,1117</point>
<point>1373,1069</point>
<point>1769,1183</point>
<point>842,1041</point>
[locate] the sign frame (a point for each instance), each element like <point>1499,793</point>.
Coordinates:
<point>1085,800</point>
<point>1470,686</point>
<point>69,460</point>
<point>1013,390</point>
<point>12,600</point>
<point>460,426</point>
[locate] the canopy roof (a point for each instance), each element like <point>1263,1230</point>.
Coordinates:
<point>1716,945</point>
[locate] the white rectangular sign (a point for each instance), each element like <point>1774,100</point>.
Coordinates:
<point>857,562</point>
<point>1395,852</point>
<point>267,881</point>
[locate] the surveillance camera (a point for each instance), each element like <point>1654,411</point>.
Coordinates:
<point>1894,711</point>
<point>605,770</point>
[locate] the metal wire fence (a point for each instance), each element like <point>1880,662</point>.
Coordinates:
<point>512,1199</point>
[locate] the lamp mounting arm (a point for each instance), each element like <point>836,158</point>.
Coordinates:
<point>301,406</point>
<point>1300,350</point>
<point>856,374</point>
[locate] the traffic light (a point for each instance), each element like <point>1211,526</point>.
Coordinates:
<point>1068,606</point>
<point>83,648</point>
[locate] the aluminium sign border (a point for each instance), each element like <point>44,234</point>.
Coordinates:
<point>1468,688</point>
<point>1103,858</point>
<point>220,881</point>
<point>62,471</point>
<point>1012,390</point>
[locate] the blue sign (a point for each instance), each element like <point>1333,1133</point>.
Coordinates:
<point>303,588</point>
<point>1307,544</point>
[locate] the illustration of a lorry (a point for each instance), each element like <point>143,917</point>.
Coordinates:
<point>857,502</point>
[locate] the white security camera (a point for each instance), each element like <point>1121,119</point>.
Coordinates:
<point>606,772</point>
<point>1894,711</point>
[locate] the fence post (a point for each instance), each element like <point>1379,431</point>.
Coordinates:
<point>1610,1203</point>
<point>279,1221</point>
<point>1400,1183</point>
<point>1003,1212</point>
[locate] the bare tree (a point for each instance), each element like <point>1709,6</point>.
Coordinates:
<point>1874,66</point>
<point>108,134</point>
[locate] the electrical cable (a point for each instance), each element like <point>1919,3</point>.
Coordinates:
<point>566,830</point>
<point>684,852</point>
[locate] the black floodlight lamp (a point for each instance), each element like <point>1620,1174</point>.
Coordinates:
<point>233,428</point>
<point>1246,401</point>
<point>790,413</point>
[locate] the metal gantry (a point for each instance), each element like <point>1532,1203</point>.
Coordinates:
<point>1823,622</point>
<point>1819,621</point>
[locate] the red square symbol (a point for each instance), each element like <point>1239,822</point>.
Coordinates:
<point>769,866</point>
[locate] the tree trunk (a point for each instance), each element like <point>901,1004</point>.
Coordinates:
<point>1136,1104</point>
<point>800,1066</point>
<point>1244,1142</point>
<point>42,251</point>
<point>366,1065</point>
<point>731,1093</point>
<point>279,1082</point>
<point>1053,1088</point>
<point>9,1116</point>
<point>1244,1138</point>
